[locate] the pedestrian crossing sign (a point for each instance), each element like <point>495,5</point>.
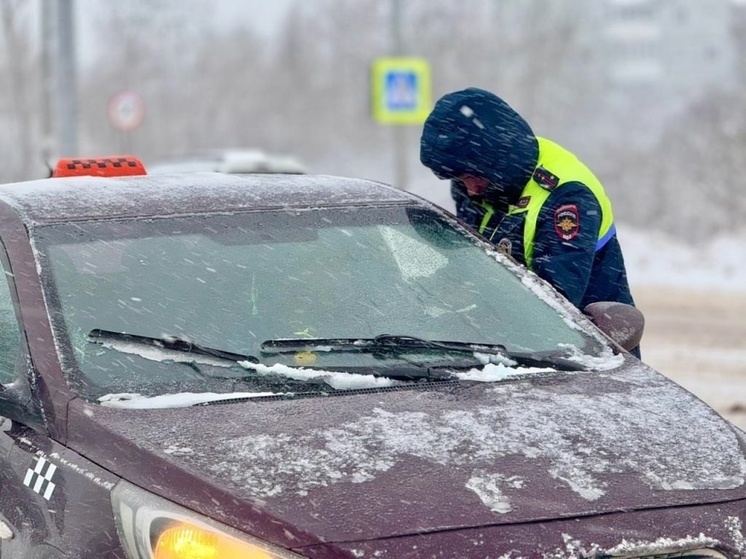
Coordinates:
<point>400,90</point>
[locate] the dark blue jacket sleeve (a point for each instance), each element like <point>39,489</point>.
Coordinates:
<point>563,253</point>
<point>466,209</point>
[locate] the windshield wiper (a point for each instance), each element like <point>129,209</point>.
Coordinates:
<point>166,341</point>
<point>403,343</point>
<point>382,341</point>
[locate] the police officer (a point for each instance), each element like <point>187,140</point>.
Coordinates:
<point>531,197</point>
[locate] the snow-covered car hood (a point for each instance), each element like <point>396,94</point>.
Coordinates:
<point>389,463</point>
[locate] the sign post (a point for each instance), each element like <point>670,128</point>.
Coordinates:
<point>400,95</point>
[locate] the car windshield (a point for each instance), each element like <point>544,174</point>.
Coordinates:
<point>203,303</point>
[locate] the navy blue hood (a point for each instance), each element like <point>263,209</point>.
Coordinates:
<point>473,131</point>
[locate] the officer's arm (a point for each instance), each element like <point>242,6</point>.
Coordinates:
<point>565,241</point>
<point>470,211</point>
<point>464,206</point>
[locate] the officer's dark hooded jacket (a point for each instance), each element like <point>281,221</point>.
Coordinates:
<point>475,132</point>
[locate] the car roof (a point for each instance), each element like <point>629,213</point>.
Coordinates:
<point>86,197</point>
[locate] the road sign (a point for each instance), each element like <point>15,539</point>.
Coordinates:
<point>400,90</point>
<point>126,110</point>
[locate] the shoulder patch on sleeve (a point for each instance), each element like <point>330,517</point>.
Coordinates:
<point>545,179</point>
<point>567,221</point>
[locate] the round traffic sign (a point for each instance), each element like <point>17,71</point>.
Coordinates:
<point>126,110</point>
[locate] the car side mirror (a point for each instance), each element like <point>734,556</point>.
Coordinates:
<point>621,322</point>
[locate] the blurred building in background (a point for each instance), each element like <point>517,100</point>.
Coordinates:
<point>659,56</point>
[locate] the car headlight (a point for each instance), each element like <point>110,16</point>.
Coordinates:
<point>153,528</point>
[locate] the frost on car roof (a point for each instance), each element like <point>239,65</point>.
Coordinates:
<point>63,199</point>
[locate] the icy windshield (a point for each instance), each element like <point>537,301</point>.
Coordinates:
<point>129,296</point>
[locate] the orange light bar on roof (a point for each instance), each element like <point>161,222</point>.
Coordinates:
<point>114,166</point>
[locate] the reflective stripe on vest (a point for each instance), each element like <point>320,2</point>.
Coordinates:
<point>489,211</point>
<point>564,165</point>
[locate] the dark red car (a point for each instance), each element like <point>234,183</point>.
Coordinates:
<point>266,366</point>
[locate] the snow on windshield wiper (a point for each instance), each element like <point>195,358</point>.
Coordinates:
<point>399,343</point>
<point>166,341</point>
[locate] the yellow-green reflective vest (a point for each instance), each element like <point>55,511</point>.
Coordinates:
<point>565,167</point>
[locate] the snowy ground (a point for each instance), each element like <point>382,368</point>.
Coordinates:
<point>653,259</point>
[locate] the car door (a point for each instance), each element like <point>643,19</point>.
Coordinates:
<point>26,477</point>
<point>27,485</point>
<point>6,532</point>
<point>54,502</point>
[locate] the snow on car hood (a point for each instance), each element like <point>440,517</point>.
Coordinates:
<point>389,463</point>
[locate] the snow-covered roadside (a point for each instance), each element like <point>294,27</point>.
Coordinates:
<point>655,259</point>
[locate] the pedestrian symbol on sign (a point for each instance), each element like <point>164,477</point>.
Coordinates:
<point>401,91</point>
